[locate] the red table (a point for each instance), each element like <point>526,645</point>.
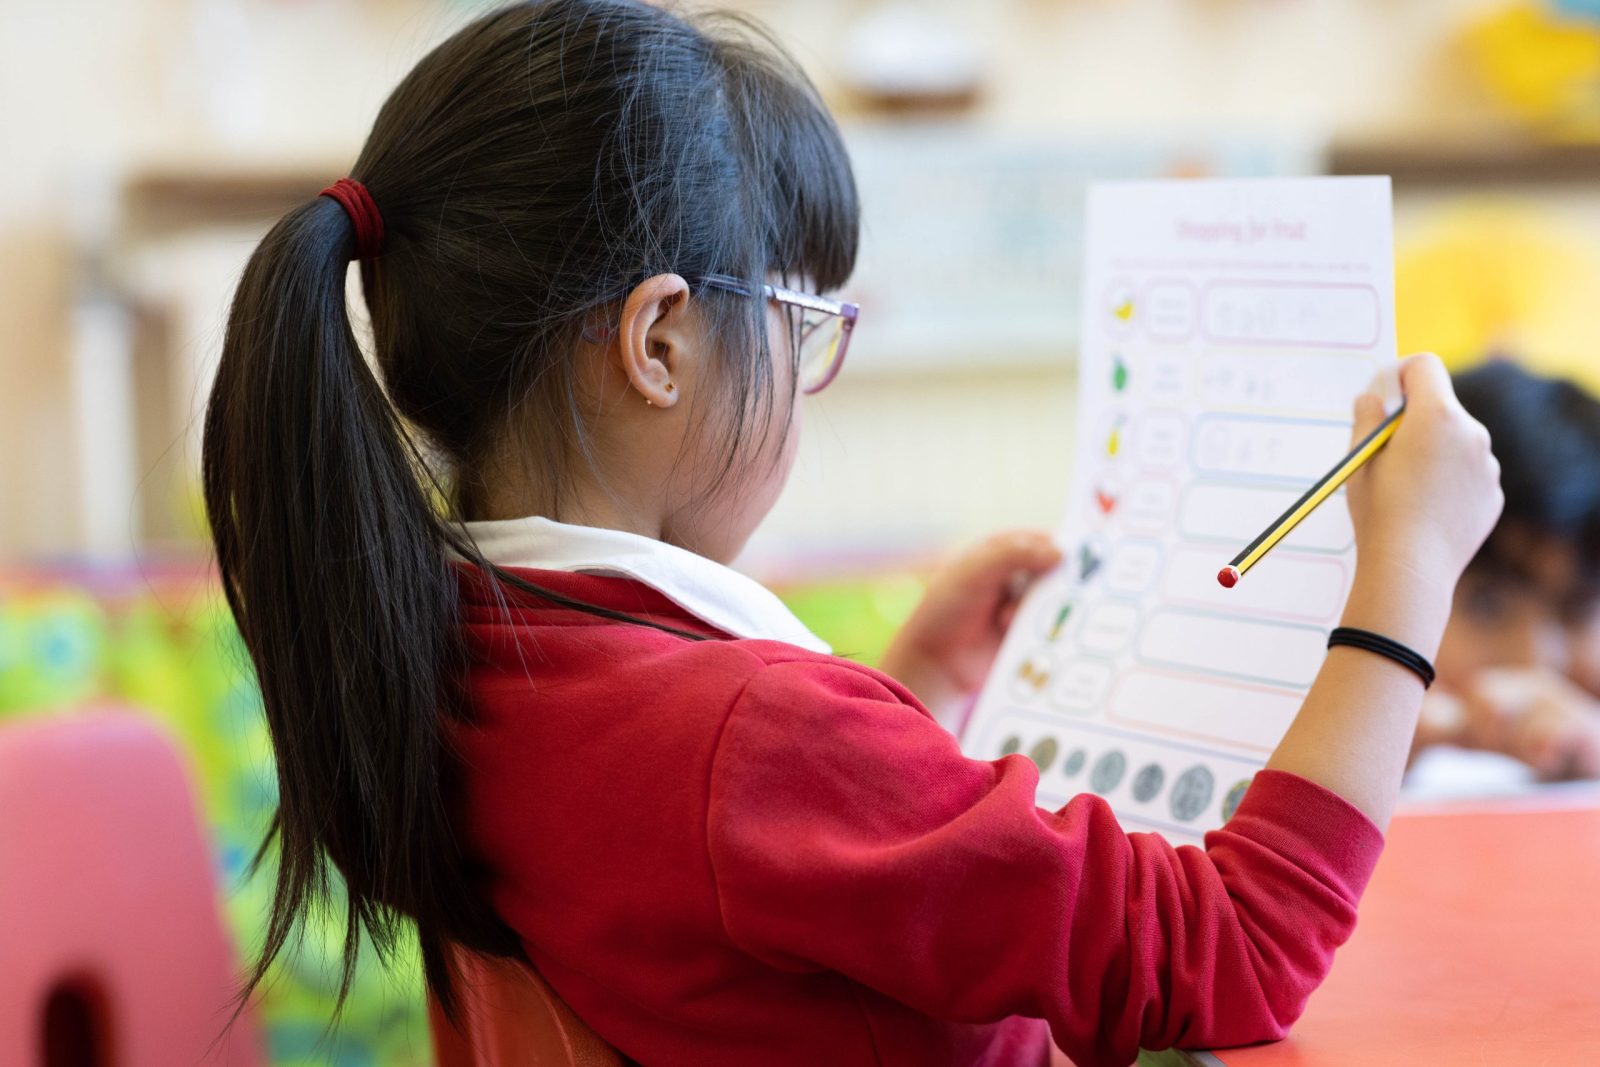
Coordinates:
<point>1478,943</point>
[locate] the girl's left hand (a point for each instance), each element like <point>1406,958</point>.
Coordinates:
<point>946,648</point>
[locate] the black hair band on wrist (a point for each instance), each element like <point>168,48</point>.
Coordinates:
<point>1383,646</point>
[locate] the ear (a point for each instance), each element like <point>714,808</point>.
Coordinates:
<point>653,338</point>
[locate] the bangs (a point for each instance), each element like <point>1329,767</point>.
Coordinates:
<point>801,190</point>
<point>816,216</point>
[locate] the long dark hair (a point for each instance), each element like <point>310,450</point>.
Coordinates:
<point>530,170</point>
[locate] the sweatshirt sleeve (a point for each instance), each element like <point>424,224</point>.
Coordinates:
<point>847,832</point>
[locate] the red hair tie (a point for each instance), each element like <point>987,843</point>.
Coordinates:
<point>363,212</point>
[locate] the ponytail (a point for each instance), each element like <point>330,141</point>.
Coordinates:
<point>530,169</point>
<point>332,559</point>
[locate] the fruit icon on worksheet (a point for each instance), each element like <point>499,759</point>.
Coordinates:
<point>1114,437</point>
<point>1090,559</point>
<point>1056,620</point>
<point>1119,372</point>
<point>1033,674</point>
<point>1105,500</point>
<point>1121,308</point>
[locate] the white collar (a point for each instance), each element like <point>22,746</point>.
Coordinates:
<point>719,595</point>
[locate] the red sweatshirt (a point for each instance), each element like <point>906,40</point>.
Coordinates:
<point>738,851</point>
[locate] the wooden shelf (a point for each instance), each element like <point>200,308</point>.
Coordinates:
<point>161,203</point>
<point>1466,164</point>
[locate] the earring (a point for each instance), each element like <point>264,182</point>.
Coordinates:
<point>670,387</point>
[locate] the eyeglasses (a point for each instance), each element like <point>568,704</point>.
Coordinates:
<point>824,333</point>
<point>823,336</point>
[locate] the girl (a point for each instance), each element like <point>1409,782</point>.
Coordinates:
<point>518,698</point>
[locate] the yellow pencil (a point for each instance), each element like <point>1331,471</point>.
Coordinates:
<point>1319,492</point>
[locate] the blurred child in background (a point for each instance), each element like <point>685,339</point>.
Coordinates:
<point>1519,667</point>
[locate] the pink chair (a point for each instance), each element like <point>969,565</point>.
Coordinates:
<point>112,950</point>
<point>512,1018</point>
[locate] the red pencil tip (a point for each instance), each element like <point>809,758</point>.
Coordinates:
<point>1228,576</point>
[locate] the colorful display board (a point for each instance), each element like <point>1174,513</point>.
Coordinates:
<point>161,640</point>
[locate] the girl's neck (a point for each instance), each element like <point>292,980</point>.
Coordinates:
<point>586,503</point>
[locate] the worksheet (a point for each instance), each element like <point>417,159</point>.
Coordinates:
<point>1227,328</point>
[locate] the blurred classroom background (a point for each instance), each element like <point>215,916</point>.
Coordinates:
<point>147,144</point>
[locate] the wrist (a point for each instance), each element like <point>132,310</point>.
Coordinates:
<point>1402,601</point>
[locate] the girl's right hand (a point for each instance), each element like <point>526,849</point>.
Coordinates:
<point>1421,508</point>
<point>1424,504</point>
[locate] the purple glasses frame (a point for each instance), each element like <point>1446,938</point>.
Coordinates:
<point>792,297</point>
<point>847,313</point>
